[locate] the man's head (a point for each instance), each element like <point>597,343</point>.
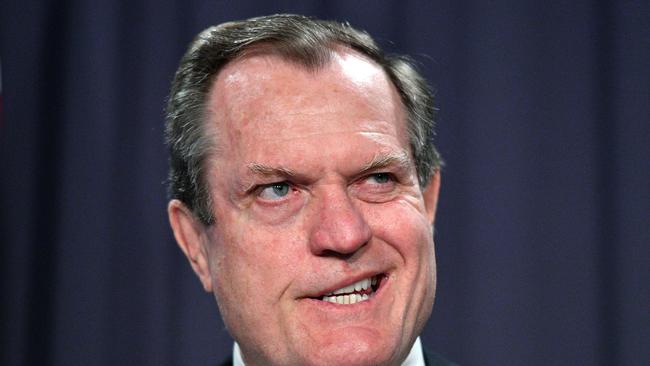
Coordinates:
<point>302,164</point>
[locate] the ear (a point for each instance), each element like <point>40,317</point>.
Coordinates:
<point>430,195</point>
<point>190,236</point>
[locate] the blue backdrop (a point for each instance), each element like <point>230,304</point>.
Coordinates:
<point>543,234</point>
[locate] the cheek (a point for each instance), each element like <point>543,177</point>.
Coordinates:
<point>252,261</point>
<point>251,272</point>
<point>403,226</point>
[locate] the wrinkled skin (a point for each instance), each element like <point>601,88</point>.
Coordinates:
<point>313,187</point>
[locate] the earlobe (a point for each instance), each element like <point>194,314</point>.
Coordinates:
<point>189,235</point>
<point>430,196</point>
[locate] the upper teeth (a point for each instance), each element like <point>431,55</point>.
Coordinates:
<point>357,286</point>
<point>350,297</point>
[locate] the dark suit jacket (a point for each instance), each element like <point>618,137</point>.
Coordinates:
<point>430,359</point>
<point>434,359</point>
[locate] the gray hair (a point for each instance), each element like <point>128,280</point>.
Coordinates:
<point>306,41</point>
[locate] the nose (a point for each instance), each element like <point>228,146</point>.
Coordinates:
<point>339,228</point>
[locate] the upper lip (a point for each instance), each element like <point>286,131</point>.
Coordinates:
<point>342,283</point>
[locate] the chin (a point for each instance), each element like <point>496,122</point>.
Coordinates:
<point>358,347</point>
<point>356,358</point>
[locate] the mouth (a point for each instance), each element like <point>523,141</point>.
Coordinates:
<point>357,292</point>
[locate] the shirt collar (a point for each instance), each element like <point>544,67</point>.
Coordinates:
<point>415,357</point>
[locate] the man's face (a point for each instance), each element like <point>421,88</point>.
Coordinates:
<point>314,189</point>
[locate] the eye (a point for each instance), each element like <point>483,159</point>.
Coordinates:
<point>274,191</point>
<point>377,187</point>
<point>381,178</point>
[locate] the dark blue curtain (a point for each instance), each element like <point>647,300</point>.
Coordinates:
<point>543,234</point>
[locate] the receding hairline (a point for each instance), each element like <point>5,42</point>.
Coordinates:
<point>269,49</point>
<point>267,52</point>
<point>276,49</point>
<point>321,57</point>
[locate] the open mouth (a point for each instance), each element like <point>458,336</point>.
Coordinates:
<point>357,292</point>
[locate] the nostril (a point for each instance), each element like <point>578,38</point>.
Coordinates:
<point>335,254</point>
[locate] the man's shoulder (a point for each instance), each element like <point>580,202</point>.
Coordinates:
<point>434,359</point>
<point>227,362</point>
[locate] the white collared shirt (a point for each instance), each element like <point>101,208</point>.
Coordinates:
<point>415,357</point>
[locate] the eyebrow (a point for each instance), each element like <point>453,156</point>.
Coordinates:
<point>400,159</point>
<point>265,170</point>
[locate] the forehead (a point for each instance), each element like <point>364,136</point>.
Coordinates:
<point>264,95</point>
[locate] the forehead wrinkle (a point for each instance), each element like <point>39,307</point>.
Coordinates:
<point>305,135</point>
<point>243,78</point>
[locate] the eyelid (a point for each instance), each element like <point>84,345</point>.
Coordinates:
<point>255,187</point>
<point>258,187</point>
<point>392,177</point>
<point>387,173</point>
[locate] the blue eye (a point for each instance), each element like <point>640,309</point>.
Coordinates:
<point>274,191</point>
<point>381,178</point>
